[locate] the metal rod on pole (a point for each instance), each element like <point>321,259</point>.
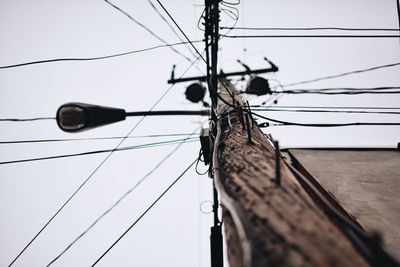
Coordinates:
<point>225,75</point>
<point>168,113</point>
<point>398,12</point>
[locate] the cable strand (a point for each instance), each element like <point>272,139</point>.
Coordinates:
<point>144,213</point>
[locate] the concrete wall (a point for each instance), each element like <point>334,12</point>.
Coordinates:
<point>365,182</point>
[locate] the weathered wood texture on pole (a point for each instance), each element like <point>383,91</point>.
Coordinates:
<point>268,224</point>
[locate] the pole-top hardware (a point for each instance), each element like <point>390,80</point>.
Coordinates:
<point>205,145</point>
<point>249,71</point>
<point>277,164</point>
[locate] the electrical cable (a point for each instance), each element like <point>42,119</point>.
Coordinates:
<point>199,20</point>
<point>324,91</point>
<point>97,168</point>
<point>29,119</point>
<point>328,111</point>
<point>329,107</point>
<point>92,58</point>
<point>381,88</point>
<point>342,74</point>
<point>288,123</point>
<point>144,213</point>
<point>156,144</point>
<point>340,90</point>
<point>170,26</point>
<point>349,92</point>
<point>231,14</point>
<point>200,160</point>
<point>308,29</point>
<point>311,36</point>
<point>230,3</point>
<point>180,29</point>
<point>398,12</point>
<point>120,199</point>
<point>90,138</point>
<point>147,29</point>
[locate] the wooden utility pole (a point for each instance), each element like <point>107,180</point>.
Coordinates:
<point>269,219</point>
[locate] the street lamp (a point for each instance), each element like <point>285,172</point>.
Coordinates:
<point>76,117</point>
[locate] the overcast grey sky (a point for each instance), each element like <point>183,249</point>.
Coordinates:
<point>174,232</point>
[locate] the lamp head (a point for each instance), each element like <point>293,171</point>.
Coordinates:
<point>76,117</point>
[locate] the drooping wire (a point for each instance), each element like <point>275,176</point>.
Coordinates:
<point>141,180</point>
<point>97,168</point>
<point>90,138</point>
<point>144,213</point>
<point>200,160</point>
<point>147,29</point>
<point>342,74</point>
<point>199,20</point>
<point>231,14</point>
<point>149,145</point>
<point>230,3</point>
<point>92,58</point>
<point>307,29</point>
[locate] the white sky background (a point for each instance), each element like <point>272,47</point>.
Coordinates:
<point>174,232</point>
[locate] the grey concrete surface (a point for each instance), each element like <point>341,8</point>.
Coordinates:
<point>366,183</point>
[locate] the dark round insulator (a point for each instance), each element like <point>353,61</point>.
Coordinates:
<point>258,86</point>
<point>195,92</point>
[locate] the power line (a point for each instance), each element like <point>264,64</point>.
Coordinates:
<point>330,107</point>
<point>398,12</point>
<point>344,92</point>
<point>91,138</point>
<point>170,26</point>
<point>309,29</point>
<point>92,58</point>
<point>311,36</point>
<point>328,111</point>
<point>97,168</point>
<point>29,119</point>
<point>144,213</point>
<point>122,197</point>
<point>147,29</point>
<point>323,125</point>
<point>230,3</point>
<point>97,151</point>
<point>380,88</point>
<point>341,74</point>
<point>180,29</point>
